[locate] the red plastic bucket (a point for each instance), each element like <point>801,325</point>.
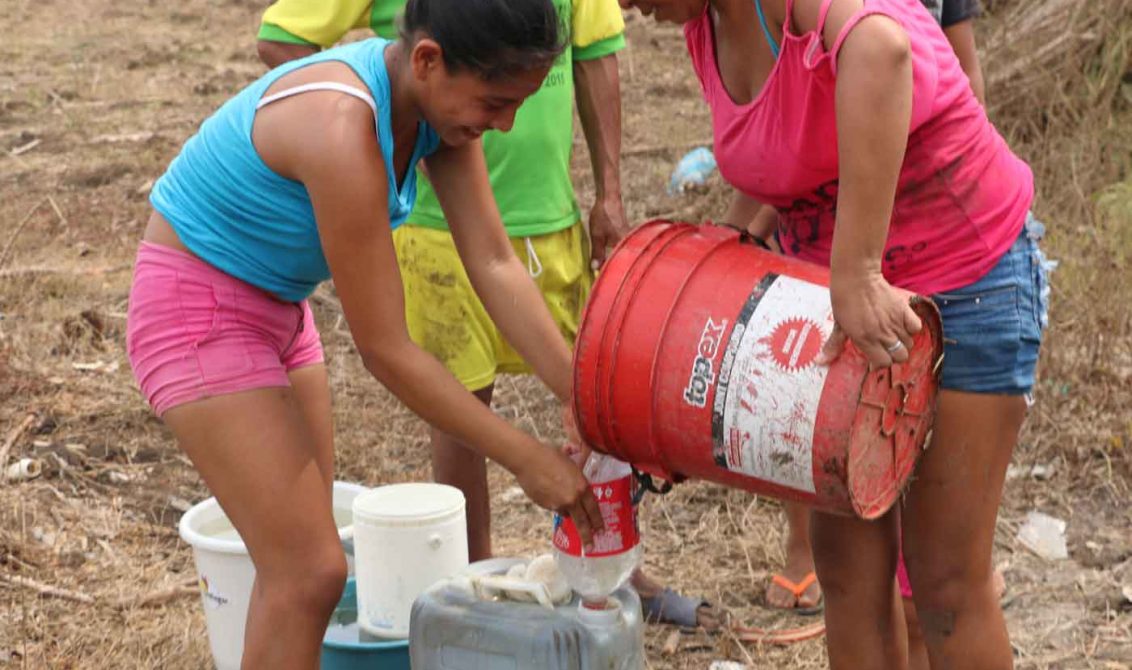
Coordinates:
<point>696,359</point>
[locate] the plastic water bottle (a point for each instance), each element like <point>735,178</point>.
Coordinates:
<point>596,572</point>
<point>692,170</point>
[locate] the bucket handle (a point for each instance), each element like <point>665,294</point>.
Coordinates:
<point>648,486</point>
<point>745,237</point>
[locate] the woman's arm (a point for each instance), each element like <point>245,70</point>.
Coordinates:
<point>742,211</point>
<point>273,54</point>
<point>502,282</point>
<point>328,143</point>
<point>961,35</point>
<point>749,214</point>
<point>874,109</point>
<point>597,87</point>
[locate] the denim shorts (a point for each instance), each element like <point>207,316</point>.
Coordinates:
<point>992,329</point>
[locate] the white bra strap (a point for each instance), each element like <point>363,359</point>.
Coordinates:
<point>319,86</point>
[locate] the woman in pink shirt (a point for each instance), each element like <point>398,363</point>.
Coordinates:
<point>854,120</point>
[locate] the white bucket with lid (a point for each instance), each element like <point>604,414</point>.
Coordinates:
<point>225,572</point>
<point>406,538</point>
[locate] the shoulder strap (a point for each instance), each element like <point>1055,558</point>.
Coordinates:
<point>823,14</point>
<point>766,29</point>
<point>319,86</point>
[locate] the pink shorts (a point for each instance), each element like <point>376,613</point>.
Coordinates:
<point>194,332</point>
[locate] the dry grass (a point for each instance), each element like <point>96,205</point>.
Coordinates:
<point>90,112</point>
<point>1067,111</point>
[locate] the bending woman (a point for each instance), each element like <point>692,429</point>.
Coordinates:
<point>855,121</point>
<point>301,177</point>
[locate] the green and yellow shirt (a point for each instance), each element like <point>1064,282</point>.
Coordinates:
<point>529,166</point>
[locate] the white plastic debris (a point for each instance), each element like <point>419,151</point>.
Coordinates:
<point>518,572</point>
<point>726,665</point>
<point>539,581</point>
<point>513,494</point>
<point>24,469</point>
<point>544,570</point>
<point>1044,535</point>
<point>1039,471</point>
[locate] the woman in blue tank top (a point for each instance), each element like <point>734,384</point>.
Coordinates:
<point>299,178</point>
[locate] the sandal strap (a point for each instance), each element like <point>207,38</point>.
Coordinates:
<point>796,588</point>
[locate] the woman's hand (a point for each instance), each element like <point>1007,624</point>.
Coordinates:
<point>608,226</point>
<point>553,481</point>
<point>876,316</point>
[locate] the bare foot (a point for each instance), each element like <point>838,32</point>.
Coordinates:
<point>799,566</point>
<point>789,589</point>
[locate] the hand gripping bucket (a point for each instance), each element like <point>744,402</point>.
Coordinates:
<point>696,359</point>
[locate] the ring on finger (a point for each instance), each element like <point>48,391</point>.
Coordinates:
<point>894,347</point>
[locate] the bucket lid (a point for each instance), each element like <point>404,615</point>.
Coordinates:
<point>409,503</point>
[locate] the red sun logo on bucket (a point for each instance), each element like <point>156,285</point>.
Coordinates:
<point>795,343</point>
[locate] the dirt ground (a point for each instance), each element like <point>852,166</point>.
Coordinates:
<point>96,98</point>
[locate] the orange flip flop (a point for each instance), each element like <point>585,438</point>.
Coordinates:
<point>798,589</point>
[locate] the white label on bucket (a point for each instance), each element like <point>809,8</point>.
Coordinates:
<point>769,388</point>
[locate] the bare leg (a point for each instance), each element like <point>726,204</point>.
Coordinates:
<point>258,456</point>
<point>799,561</point>
<point>856,562</point>
<point>917,650</point>
<point>312,391</point>
<point>455,464</point>
<point>949,519</point>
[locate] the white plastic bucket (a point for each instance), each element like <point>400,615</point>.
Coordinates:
<point>406,538</point>
<point>225,572</point>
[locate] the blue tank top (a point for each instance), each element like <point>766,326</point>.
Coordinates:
<point>238,215</point>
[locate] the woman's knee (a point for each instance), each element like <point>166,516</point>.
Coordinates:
<point>946,583</point>
<point>851,555</point>
<point>312,582</point>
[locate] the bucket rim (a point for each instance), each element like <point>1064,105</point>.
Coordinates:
<point>349,594</point>
<point>198,540</point>
<point>400,643</point>
<point>453,504</point>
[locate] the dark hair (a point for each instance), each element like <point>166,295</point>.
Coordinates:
<point>493,38</point>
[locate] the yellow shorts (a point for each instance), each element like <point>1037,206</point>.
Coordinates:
<point>447,319</point>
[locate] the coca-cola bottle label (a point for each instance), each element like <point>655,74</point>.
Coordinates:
<point>615,500</point>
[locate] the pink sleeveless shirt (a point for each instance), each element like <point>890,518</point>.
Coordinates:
<point>962,196</point>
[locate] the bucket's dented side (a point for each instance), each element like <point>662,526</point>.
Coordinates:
<point>697,358</point>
